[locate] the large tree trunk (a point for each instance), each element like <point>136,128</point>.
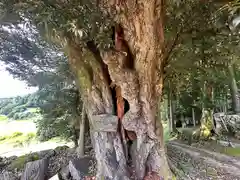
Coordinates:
<point>97,98</point>
<point>136,67</point>
<point>141,85</point>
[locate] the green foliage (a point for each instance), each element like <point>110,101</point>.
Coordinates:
<point>17,108</point>
<point>16,134</point>
<point>46,67</point>
<point>20,162</point>
<point>59,106</point>
<point>25,54</point>
<point>57,98</point>
<point>200,44</point>
<point>80,21</point>
<point>2,138</point>
<point>204,48</point>
<point>48,127</point>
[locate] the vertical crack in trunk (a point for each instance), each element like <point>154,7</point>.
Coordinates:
<point>141,21</point>
<point>122,46</point>
<point>92,47</point>
<point>143,150</point>
<point>97,95</point>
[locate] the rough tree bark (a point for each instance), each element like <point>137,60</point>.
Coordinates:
<point>135,66</point>
<point>171,122</point>
<point>141,85</point>
<point>98,102</point>
<point>82,125</point>
<point>234,90</point>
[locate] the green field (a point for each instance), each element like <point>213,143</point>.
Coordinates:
<point>19,137</point>
<point>9,127</point>
<point>3,118</point>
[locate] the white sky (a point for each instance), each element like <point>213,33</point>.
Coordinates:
<point>10,87</point>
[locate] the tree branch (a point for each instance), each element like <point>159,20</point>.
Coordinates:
<point>172,45</point>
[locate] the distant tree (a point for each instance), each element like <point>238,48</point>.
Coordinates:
<point>28,57</point>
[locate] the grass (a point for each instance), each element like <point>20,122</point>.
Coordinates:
<point>56,139</point>
<point>18,138</point>
<point>16,134</point>
<point>3,118</point>
<point>2,138</point>
<point>33,110</point>
<point>166,133</point>
<point>167,136</point>
<point>9,127</point>
<point>232,151</point>
<point>24,120</point>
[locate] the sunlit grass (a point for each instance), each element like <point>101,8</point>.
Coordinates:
<point>3,118</point>
<point>167,135</point>
<point>231,151</point>
<point>9,127</point>
<point>18,138</point>
<point>56,139</point>
<point>33,110</point>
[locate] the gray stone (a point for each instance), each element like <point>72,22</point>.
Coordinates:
<point>79,167</point>
<point>46,153</point>
<point>64,173</point>
<point>8,175</point>
<point>59,149</point>
<point>2,164</point>
<point>225,122</point>
<point>36,170</point>
<point>60,160</point>
<point>237,135</point>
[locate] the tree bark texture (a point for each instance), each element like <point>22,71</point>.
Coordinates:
<point>234,90</point>
<point>171,122</point>
<point>142,24</point>
<point>82,133</point>
<point>97,98</point>
<point>140,80</point>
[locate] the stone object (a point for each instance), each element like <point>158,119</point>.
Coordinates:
<point>226,122</point>
<point>8,175</point>
<point>64,173</point>
<point>46,153</point>
<point>79,168</point>
<point>36,170</point>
